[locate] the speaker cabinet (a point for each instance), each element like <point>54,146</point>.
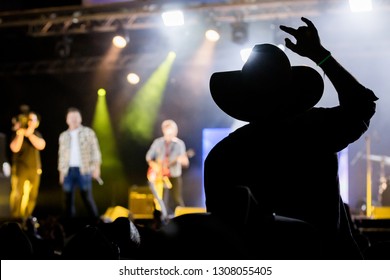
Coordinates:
<point>112,213</point>
<point>381,212</point>
<point>188,210</point>
<point>141,203</point>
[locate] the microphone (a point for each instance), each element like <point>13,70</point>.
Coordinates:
<point>99,181</point>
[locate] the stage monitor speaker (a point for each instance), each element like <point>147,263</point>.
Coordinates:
<point>141,203</point>
<point>381,212</point>
<point>179,210</point>
<point>112,213</point>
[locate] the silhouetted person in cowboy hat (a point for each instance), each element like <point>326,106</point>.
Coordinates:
<point>284,161</point>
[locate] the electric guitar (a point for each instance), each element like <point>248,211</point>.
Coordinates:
<point>159,172</point>
<point>158,177</point>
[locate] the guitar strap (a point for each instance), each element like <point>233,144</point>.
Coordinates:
<point>165,167</point>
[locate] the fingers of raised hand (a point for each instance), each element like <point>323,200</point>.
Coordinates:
<point>308,22</point>
<point>288,30</point>
<point>290,44</point>
<point>300,33</point>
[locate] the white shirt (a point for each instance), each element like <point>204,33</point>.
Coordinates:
<point>75,157</point>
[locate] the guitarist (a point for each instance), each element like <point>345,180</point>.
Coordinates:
<point>166,158</point>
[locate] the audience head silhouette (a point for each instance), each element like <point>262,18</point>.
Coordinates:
<point>90,243</point>
<point>14,243</point>
<point>267,86</point>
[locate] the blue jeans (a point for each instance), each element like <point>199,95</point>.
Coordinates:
<point>73,180</point>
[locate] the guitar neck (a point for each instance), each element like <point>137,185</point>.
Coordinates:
<point>190,153</point>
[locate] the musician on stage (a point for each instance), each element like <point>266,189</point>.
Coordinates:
<point>166,158</point>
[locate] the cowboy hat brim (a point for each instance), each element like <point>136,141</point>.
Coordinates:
<point>248,102</point>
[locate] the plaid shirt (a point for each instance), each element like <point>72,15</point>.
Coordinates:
<point>89,150</point>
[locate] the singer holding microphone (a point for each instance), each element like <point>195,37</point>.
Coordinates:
<point>79,160</point>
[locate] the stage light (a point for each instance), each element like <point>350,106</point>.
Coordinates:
<point>75,17</point>
<point>133,78</point>
<point>63,47</point>
<point>173,18</point>
<point>121,39</point>
<point>239,32</point>
<point>212,35</point>
<point>101,92</point>
<point>360,5</point>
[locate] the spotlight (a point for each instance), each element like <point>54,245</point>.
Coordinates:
<point>121,39</point>
<point>212,35</point>
<point>101,92</point>
<point>63,47</point>
<point>239,32</point>
<point>133,78</point>
<point>173,18</point>
<point>360,5</point>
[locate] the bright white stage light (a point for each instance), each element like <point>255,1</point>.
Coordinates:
<point>173,18</point>
<point>360,5</point>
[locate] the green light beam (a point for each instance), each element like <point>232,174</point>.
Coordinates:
<point>112,169</point>
<point>143,110</point>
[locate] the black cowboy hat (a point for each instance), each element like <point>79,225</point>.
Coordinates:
<point>266,86</point>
